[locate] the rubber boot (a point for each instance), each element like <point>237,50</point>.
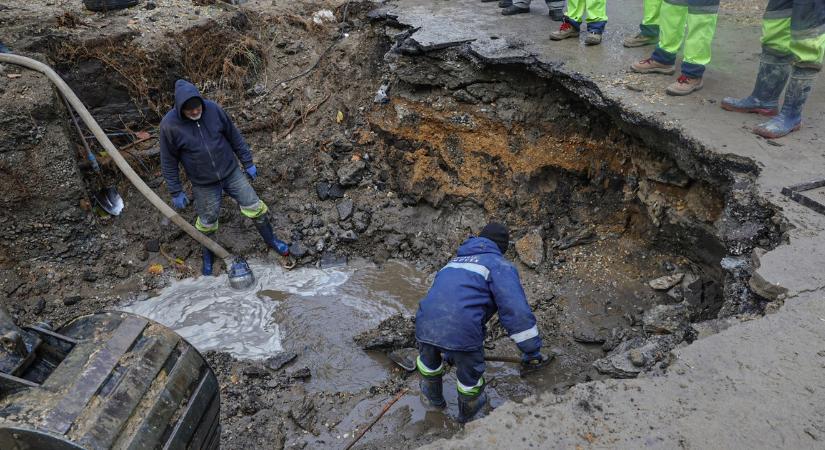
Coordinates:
<point>432,391</point>
<point>208,259</point>
<point>789,118</point>
<point>264,227</point>
<point>470,405</point>
<point>771,79</point>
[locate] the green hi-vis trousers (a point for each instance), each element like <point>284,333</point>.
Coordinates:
<point>795,27</point>
<point>699,16</point>
<point>650,18</point>
<point>596,14</point>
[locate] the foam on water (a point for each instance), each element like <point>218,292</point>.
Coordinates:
<point>212,316</point>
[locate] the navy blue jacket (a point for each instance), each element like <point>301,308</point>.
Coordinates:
<point>206,147</point>
<point>465,295</point>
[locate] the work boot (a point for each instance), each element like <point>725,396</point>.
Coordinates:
<point>684,85</point>
<point>513,10</point>
<point>488,1</point>
<point>565,31</point>
<point>650,65</point>
<point>432,391</point>
<point>789,118</point>
<point>265,229</point>
<point>640,40</point>
<point>771,79</point>
<point>208,260</point>
<point>505,3</point>
<point>592,38</point>
<point>470,405</point>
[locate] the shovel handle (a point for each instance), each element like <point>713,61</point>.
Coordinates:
<point>507,359</point>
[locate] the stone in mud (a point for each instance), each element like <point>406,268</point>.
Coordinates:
<point>580,237</point>
<point>336,191</point>
<point>300,374</point>
<point>297,249</point>
<point>345,209</point>
<point>322,190</point>
<point>589,336</point>
<point>303,414</point>
<point>666,282</point>
<point>39,306</point>
<point>71,300</point>
<point>530,249</point>
<point>281,359</point>
<point>348,236</point>
<point>255,370</point>
<point>393,333</point>
<point>152,246</point>
<point>635,355</point>
<point>666,319</point>
<point>351,172</point>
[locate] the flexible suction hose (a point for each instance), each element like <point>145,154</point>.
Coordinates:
<point>124,166</point>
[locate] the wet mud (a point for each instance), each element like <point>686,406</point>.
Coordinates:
<point>375,195</point>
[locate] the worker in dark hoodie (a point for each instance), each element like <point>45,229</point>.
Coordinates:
<point>451,320</point>
<point>198,134</point>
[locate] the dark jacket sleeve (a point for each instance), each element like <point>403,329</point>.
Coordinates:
<point>170,161</point>
<point>513,310</point>
<point>235,139</point>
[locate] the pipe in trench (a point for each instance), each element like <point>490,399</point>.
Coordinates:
<point>122,164</point>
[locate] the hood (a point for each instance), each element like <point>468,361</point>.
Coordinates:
<point>185,90</point>
<point>478,245</point>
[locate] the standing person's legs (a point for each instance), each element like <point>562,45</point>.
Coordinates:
<point>672,21</point>
<point>596,21</point>
<point>238,187</point>
<point>469,383</point>
<point>774,65</point>
<point>571,22</point>
<point>808,48</point>
<point>555,9</point>
<point>649,28</point>
<point>208,208</point>
<point>430,366</point>
<point>701,26</point>
<point>518,7</point>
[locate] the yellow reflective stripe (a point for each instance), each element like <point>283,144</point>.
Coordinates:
<point>255,211</point>
<point>776,34</point>
<point>426,371</point>
<point>469,390</point>
<point>203,228</point>
<point>809,52</point>
<point>698,39</point>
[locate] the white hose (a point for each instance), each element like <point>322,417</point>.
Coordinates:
<point>98,132</point>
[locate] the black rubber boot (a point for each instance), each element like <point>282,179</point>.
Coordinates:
<point>470,405</point>
<point>208,258</point>
<point>770,81</point>
<point>505,3</point>
<point>265,229</point>
<point>432,391</point>
<point>513,9</point>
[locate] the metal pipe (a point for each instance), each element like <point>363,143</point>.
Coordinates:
<point>127,170</point>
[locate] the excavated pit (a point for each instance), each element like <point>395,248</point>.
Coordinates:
<point>600,203</point>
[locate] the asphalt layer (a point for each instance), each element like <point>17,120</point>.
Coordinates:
<point>756,384</point>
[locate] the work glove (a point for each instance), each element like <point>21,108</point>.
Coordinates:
<point>533,361</point>
<point>180,200</point>
<point>252,172</point>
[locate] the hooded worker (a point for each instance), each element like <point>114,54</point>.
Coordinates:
<point>198,134</point>
<point>793,45</point>
<point>451,320</point>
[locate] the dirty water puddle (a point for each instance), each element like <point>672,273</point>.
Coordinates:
<point>312,312</point>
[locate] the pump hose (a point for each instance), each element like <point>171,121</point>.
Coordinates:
<point>98,132</point>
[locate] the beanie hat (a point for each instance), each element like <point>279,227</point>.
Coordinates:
<point>192,103</point>
<point>497,233</point>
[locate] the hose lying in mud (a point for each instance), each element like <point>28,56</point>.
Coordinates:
<point>237,278</point>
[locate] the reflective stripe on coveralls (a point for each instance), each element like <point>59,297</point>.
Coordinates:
<point>700,18</point>
<point>426,371</point>
<point>255,211</point>
<point>470,390</point>
<point>206,227</point>
<point>794,27</point>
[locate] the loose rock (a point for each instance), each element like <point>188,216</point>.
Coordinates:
<point>666,282</point>
<point>530,249</point>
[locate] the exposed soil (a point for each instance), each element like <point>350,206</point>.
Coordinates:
<point>599,202</point>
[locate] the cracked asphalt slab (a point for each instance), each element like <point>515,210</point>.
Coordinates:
<point>756,384</point>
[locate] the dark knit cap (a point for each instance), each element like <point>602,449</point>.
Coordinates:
<point>192,103</point>
<point>497,233</point>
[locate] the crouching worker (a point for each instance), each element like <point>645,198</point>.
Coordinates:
<point>198,134</point>
<point>451,320</point>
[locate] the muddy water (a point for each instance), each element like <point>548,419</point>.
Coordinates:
<point>312,312</point>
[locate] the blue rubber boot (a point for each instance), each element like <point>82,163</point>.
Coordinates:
<point>432,391</point>
<point>265,229</point>
<point>771,79</point>
<point>470,405</point>
<point>208,258</point>
<point>789,118</point>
